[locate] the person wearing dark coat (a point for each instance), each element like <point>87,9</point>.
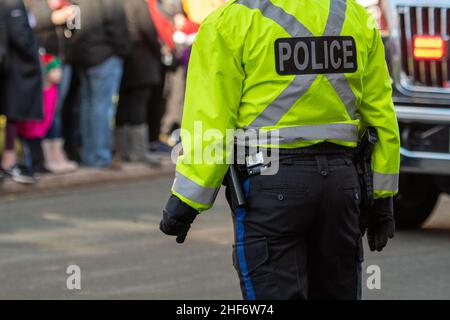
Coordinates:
<point>21,90</point>
<point>103,33</point>
<point>3,44</point>
<point>97,50</point>
<point>142,75</point>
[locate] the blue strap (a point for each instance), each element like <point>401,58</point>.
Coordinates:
<point>240,235</point>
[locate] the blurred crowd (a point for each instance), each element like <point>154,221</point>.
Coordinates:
<point>89,83</point>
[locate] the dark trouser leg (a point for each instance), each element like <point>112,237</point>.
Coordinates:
<point>139,102</point>
<point>156,110</point>
<point>270,254</point>
<point>335,250</point>
<point>33,155</point>
<point>9,157</point>
<point>71,118</point>
<point>133,105</point>
<point>11,135</point>
<point>132,132</point>
<point>124,108</point>
<point>87,151</point>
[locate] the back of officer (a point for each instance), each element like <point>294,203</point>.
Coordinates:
<point>315,71</point>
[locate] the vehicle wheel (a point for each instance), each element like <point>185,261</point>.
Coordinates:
<point>416,200</point>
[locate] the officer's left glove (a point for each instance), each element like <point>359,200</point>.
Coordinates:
<point>381,224</point>
<point>177,219</point>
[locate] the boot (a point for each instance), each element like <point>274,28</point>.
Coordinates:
<point>64,164</point>
<point>50,163</point>
<point>121,143</point>
<point>139,146</point>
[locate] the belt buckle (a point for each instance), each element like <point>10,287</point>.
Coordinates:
<point>256,164</point>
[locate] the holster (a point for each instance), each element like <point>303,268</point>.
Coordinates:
<point>364,166</point>
<point>233,181</point>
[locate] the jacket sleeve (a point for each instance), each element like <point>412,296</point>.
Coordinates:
<point>214,88</point>
<point>377,110</point>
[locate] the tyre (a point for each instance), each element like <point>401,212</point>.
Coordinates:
<point>416,200</point>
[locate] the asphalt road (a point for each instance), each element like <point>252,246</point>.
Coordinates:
<point>112,234</point>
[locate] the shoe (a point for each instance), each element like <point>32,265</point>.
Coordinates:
<point>139,146</point>
<point>19,175</point>
<point>64,164</point>
<point>56,160</point>
<point>50,163</point>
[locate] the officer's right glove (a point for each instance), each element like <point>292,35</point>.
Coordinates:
<point>380,224</point>
<point>177,219</point>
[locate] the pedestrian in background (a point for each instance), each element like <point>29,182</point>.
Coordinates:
<point>162,14</point>
<point>184,35</point>
<point>21,91</point>
<point>141,79</point>
<point>51,18</point>
<point>97,50</point>
<point>32,132</point>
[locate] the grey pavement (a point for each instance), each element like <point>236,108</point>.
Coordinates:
<point>111,233</point>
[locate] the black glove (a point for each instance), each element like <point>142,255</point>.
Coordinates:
<point>380,224</point>
<point>177,219</point>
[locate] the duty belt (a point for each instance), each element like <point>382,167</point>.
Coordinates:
<point>256,163</point>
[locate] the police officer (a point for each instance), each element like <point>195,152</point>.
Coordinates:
<point>315,72</point>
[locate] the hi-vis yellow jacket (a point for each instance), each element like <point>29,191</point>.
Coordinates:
<point>315,70</point>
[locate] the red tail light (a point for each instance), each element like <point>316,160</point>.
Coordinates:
<point>430,48</point>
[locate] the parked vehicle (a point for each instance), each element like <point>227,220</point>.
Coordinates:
<point>416,34</point>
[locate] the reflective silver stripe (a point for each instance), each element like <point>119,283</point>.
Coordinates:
<point>385,182</point>
<point>287,21</point>
<point>339,82</point>
<point>336,18</point>
<point>339,131</point>
<point>273,113</point>
<point>193,191</point>
<point>342,88</point>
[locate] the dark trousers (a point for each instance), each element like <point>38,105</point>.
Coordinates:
<point>298,236</point>
<point>133,106</point>
<point>71,118</point>
<point>33,156</point>
<point>156,110</point>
